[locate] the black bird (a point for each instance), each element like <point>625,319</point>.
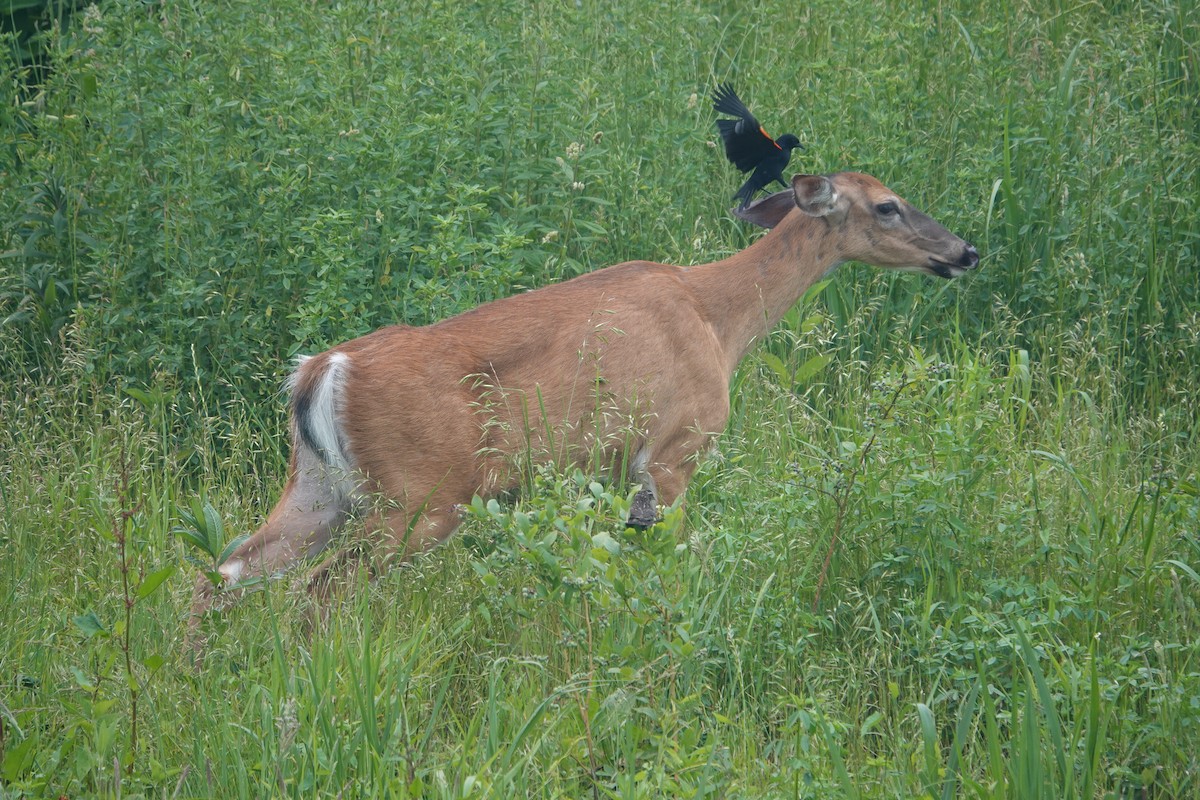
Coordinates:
<point>749,146</point>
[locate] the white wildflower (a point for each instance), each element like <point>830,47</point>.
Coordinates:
<point>91,20</point>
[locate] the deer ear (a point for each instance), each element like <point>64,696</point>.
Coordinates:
<point>814,194</point>
<point>769,211</point>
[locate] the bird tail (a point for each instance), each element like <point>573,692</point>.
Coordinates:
<point>726,101</point>
<point>745,194</point>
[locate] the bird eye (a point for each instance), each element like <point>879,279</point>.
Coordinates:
<point>887,209</point>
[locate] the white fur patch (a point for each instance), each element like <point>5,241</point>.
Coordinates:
<point>323,424</point>
<point>231,571</point>
<point>335,467</point>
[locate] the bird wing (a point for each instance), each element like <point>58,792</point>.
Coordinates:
<point>746,142</point>
<point>726,101</point>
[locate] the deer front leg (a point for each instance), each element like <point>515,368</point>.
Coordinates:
<point>643,509</point>
<point>664,477</point>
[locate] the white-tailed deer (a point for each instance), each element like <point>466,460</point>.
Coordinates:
<point>631,362</point>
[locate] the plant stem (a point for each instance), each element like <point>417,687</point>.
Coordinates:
<point>842,497</point>
<point>120,521</point>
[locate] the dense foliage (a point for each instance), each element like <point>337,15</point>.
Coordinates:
<point>948,546</point>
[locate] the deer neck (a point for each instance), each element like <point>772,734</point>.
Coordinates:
<point>744,295</point>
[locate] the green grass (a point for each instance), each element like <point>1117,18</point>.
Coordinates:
<point>947,546</point>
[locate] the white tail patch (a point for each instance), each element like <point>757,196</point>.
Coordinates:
<point>323,422</point>
<point>322,440</point>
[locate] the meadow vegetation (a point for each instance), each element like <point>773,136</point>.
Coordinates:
<point>948,547</point>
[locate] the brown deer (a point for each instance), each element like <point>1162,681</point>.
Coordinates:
<point>631,363</point>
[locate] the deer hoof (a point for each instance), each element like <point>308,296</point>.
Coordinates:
<point>642,511</point>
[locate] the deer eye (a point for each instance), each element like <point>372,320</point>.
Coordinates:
<point>887,209</point>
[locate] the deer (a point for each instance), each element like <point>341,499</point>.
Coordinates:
<point>631,363</point>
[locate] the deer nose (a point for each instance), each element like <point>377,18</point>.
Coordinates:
<point>970,257</point>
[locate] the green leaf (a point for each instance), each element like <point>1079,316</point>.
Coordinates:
<point>1191,573</point>
<point>810,323</point>
<point>201,527</point>
<point>814,290</point>
<point>139,395</point>
<point>604,540</point>
<point>870,723</point>
<point>231,547</point>
<point>153,662</point>
<point>811,367</point>
<point>19,758</point>
<point>82,680</point>
<point>961,733</point>
<point>1049,710</point>
<point>530,724</point>
<point>776,364</point>
<point>89,624</point>
<point>929,735</point>
<point>192,538</point>
<point>214,528</point>
<point>153,581</point>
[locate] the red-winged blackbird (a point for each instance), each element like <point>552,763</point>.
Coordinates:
<point>749,146</point>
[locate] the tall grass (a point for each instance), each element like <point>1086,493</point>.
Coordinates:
<point>947,546</point>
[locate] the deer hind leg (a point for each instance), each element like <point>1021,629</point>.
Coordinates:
<point>311,510</point>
